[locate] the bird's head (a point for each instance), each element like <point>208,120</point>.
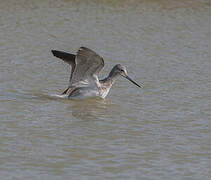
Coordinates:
<point>121,70</point>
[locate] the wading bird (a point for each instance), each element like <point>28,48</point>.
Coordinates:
<point>85,66</point>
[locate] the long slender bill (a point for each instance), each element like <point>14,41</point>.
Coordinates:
<point>127,77</point>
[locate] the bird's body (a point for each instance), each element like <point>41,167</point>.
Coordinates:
<point>85,66</point>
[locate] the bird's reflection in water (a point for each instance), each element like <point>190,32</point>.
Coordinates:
<point>90,109</point>
<point>87,109</point>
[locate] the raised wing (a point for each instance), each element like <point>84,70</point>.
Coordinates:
<point>88,65</point>
<point>66,57</point>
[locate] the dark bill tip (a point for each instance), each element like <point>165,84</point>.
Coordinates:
<point>127,77</point>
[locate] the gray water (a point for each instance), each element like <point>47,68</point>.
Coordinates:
<point>162,131</point>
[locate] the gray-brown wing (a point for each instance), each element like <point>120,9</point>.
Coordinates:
<point>88,64</point>
<point>66,57</point>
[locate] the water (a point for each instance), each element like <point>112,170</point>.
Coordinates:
<point>162,131</point>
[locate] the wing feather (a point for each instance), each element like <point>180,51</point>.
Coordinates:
<point>85,66</point>
<point>88,65</point>
<point>68,58</point>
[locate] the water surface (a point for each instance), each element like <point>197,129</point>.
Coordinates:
<point>162,131</point>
